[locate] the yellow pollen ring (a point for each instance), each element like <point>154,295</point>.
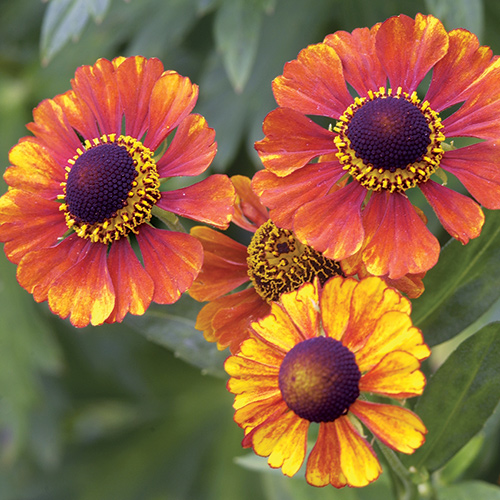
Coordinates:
<point>141,199</point>
<point>279,263</point>
<point>383,179</point>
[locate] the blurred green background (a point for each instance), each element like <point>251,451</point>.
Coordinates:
<point>115,412</point>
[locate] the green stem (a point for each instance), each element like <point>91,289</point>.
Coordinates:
<point>169,219</point>
<point>407,489</point>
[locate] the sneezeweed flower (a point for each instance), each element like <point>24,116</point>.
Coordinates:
<point>87,192</point>
<point>273,263</point>
<point>386,140</point>
<point>313,359</point>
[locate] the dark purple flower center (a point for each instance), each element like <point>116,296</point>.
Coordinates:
<point>389,133</point>
<point>319,379</point>
<point>99,183</point>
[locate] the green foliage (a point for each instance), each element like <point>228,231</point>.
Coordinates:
<point>459,398</point>
<point>462,286</point>
<point>65,20</point>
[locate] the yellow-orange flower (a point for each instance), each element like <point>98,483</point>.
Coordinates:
<point>385,140</point>
<point>312,359</point>
<point>85,191</point>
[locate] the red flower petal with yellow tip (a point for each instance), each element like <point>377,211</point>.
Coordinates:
<point>81,192</point>
<point>287,375</point>
<point>386,140</point>
<point>88,299</point>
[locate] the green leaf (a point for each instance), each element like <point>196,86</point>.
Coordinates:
<point>173,327</point>
<point>462,460</point>
<point>468,490</point>
<point>459,398</point>
<point>237,29</point>
<point>28,349</point>
<point>63,20</point>
<point>467,14</point>
<point>462,286</point>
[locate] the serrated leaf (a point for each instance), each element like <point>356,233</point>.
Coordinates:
<point>467,14</point>
<point>237,27</point>
<point>462,286</point>
<point>459,398</point>
<point>467,490</point>
<point>63,20</point>
<point>173,327</point>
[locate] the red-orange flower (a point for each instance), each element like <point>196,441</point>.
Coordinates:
<point>78,215</point>
<point>310,360</point>
<point>273,263</point>
<point>386,141</point>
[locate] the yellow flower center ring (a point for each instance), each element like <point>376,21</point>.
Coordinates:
<point>389,141</point>
<point>279,263</point>
<point>110,189</point>
<point>319,379</point>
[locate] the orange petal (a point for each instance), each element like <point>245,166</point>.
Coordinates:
<point>397,375</point>
<point>28,222</point>
<point>53,128</point>
<point>303,308</point>
<point>396,427</point>
<point>478,115</point>
<point>210,200</point>
<point>285,195</point>
<point>172,260</point>
<point>224,267</point>
<point>278,329</point>
<point>38,269</point>
<point>459,215</point>
<point>361,66</point>
<point>462,64</point>
<point>408,49</point>
<point>411,284</point>
<point>477,167</point>
<point>314,83</point>
<point>78,114</point>
<point>289,452</point>
<point>172,99</point>
<point>136,77</point>
<point>191,151</point>
<point>332,224</point>
<point>399,243</point>
<point>371,298</point>
<point>359,463</point>
<point>392,332</point>
<point>227,320</point>
<point>252,415</point>
<point>265,354</point>
<point>34,169</point>
<point>249,213</point>
<point>283,438</point>
<point>97,86</point>
<point>335,303</point>
<point>85,291</point>
<point>133,286</point>
<point>291,141</point>
<point>323,464</point>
